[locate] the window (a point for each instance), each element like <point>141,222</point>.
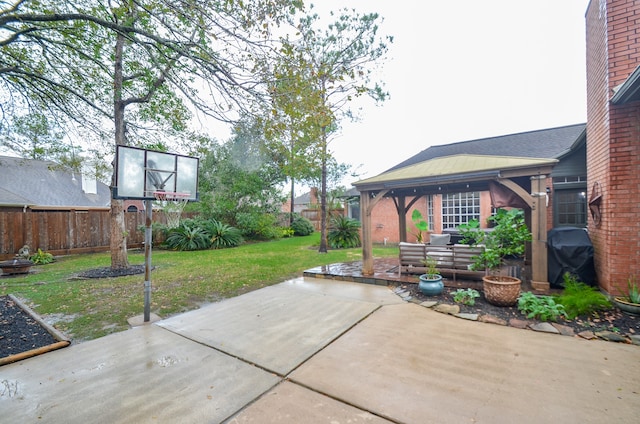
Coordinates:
<point>353,205</point>
<point>460,208</point>
<point>430,212</point>
<point>570,206</point>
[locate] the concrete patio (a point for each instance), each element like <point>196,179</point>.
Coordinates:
<point>325,351</point>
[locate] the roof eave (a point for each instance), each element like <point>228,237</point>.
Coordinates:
<point>457,178</point>
<point>629,91</point>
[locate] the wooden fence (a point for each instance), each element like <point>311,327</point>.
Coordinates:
<point>66,232</point>
<point>313,215</point>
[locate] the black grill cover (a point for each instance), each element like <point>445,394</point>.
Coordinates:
<point>570,250</point>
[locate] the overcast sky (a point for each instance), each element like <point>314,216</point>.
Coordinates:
<point>467,69</point>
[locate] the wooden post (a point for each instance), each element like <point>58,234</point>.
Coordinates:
<point>539,277</point>
<point>402,218</point>
<point>366,206</point>
<point>367,246</point>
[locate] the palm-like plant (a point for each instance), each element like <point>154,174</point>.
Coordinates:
<point>222,235</point>
<point>185,237</point>
<point>343,232</point>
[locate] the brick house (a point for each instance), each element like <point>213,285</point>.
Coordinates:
<point>613,138</point>
<point>566,185</point>
<point>606,152</point>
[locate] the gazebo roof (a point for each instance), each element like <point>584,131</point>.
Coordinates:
<point>456,168</point>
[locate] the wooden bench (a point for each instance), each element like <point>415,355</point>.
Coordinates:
<point>451,260</point>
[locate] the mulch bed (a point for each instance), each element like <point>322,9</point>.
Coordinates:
<point>108,272</point>
<point>21,332</point>
<point>612,320</point>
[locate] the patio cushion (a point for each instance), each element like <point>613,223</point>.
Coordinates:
<point>439,239</point>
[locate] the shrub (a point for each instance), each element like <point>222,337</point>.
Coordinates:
<point>222,235</point>
<point>258,225</point>
<point>41,258</point>
<point>301,226</point>
<point>466,297</point>
<point>543,308</point>
<point>159,231</point>
<point>581,299</point>
<point>343,232</point>
<point>187,237</point>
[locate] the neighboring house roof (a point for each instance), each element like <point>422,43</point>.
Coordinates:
<point>549,143</point>
<point>303,199</point>
<point>36,183</point>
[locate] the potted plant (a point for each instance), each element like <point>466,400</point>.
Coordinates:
<point>631,301</point>
<point>506,240</point>
<point>431,283</point>
<point>420,224</point>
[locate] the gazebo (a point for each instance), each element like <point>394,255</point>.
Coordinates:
<point>512,181</point>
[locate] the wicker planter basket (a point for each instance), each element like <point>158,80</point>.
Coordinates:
<point>501,290</point>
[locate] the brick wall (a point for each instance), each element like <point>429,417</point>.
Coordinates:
<point>613,139</point>
<point>384,218</point>
<point>384,221</point>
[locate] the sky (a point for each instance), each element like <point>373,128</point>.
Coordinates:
<point>464,70</point>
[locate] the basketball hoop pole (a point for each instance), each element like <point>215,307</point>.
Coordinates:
<point>148,207</point>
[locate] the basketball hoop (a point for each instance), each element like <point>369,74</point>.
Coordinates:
<point>172,205</point>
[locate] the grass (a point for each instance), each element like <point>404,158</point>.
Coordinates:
<point>181,281</point>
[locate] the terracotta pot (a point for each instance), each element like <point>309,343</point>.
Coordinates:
<point>623,305</point>
<point>501,290</point>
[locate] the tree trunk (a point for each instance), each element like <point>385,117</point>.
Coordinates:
<point>323,195</point>
<point>292,210</point>
<point>118,239</point>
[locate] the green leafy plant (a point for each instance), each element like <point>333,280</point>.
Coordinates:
<point>506,239</point>
<point>471,232</point>
<point>432,266</point>
<point>543,308</point>
<point>221,235</point>
<point>343,232</point>
<point>287,232</point>
<point>420,224</point>
<point>41,258</point>
<point>301,226</point>
<point>186,237</point>
<point>159,231</point>
<point>580,299</point>
<point>465,296</point>
<point>258,225</point>
<point>633,293</point>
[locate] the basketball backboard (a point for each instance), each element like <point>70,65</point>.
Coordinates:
<point>141,174</point>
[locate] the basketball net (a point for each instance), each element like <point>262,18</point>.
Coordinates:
<point>172,205</point>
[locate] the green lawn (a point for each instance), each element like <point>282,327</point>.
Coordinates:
<point>181,281</point>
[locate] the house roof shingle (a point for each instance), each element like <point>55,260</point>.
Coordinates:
<point>549,143</point>
<point>36,183</point>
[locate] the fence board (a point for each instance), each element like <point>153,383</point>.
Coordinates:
<point>66,232</point>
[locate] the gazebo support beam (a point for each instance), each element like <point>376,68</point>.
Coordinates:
<point>539,274</point>
<point>537,201</point>
<point>366,206</point>
<point>402,218</point>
